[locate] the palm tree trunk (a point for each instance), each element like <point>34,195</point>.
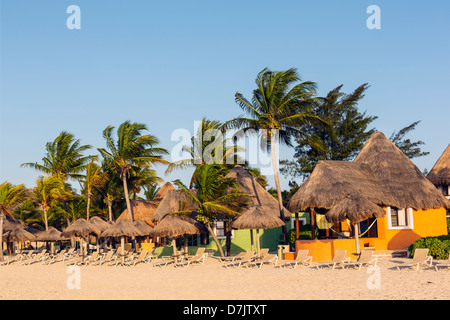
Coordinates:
<point>213,235</point>
<point>1,236</point>
<point>277,183</point>
<point>88,206</point>
<point>109,203</point>
<point>127,198</point>
<point>45,220</point>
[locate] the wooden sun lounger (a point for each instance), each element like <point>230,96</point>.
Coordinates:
<point>365,259</point>
<point>267,259</point>
<point>301,258</point>
<point>339,260</point>
<point>248,257</point>
<point>41,256</point>
<point>199,257</point>
<point>420,258</point>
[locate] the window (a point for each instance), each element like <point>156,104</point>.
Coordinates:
<point>220,230</point>
<point>399,218</point>
<point>301,222</point>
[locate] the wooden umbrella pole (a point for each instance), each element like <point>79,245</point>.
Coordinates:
<point>257,243</point>
<point>174,245</point>
<point>251,240</point>
<point>357,238</point>
<point>122,246</point>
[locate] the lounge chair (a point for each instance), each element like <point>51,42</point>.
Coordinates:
<point>41,256</point>
<point>233,258</point>
<point>267,259</point>
<point>141,258</point>
<point>365,259</point>
<point>248,257</point>
<point>61,256</point>
<point>420,258</point>
<point>109,257</point>
<point>95,256</point>
<point>199,257</point>
<point>339,259</point>
<point>150,255</point>
<point>7,260</point>
<point>301,258</point>
<point>445,264</point>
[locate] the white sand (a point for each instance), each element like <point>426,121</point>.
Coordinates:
<point>213,281</point>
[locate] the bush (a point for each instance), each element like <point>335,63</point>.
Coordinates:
<point>438,247</point>
<point>304,234</point>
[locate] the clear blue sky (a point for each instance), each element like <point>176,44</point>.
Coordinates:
<point>170,63</point>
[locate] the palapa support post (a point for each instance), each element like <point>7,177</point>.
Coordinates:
<point>313,224</point>
<point>356,228</point>
<point>297,227</point>
<point>258,244</point>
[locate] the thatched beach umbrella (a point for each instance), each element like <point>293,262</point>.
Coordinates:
<point>145,229</point>
<point>354,208</point>
<point>52,235</point>
<point>173,226</point>
<point>18,235</point>
<point>440,173</point>
<point>171,204</point>
<point>122,228</point>
<point>257,218</point>
<point>101,224</point>
<point>80,228</point>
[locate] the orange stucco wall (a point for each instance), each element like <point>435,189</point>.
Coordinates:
<point>430,222</point>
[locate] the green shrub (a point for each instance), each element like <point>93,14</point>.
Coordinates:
<point>304,234</point>
<point>438,247</point>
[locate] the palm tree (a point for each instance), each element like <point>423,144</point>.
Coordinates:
<point>92,180</point>
<point>213,196</point>
<point>131,152</point>
<point>204,151</point>
<point>48,190</point>
<point>64,158</point>
<point>10,197</point>
<point>279,106</point>
<point>112,187</point>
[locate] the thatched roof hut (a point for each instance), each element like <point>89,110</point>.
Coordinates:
<point>52,234</point>
<point>440,174</point>
<point>122,227</point>
<point>145,209</point>
<point>10,223</point>
<point>99,223</point>
<point>172,225</point>
<point>399,175</point>
<point>259,196</point>
<point>171,203</point>
<point>80,228</point>
<point>381,173</point>
<point>257,218</point>
<point>355,209</point>
<point>144,227</point>
<point>19,235</point>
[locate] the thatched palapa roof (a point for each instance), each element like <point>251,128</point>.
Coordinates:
<point>19,235</point>
<point>52,234</point>
<point>145,209</point>
<point>440,174</point>
<point>171,203</point>
<point>381,173</point>
<point>80,228</point>
<point>122,228</point>
<point>143,227</point>
<point>99,223</point>
<point>259,196</point>
<point>172,225</point>
<point>355,209</point>
<point>257,218</point>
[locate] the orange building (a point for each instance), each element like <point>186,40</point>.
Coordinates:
<point>383,175</point>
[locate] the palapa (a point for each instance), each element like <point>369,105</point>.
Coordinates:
<point>99,223</point>
<point>440,173</point>
<point>18,235</point>
<point>173,225</point>
<point>80,228</point>
<point>257,218</point>
<point>52,234</point>
<point>171,203</point>
<point>122,227</point>
<point>144,227</point>
<point>355,209</point>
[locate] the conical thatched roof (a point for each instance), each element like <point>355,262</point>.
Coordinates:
<point>80,227</point>
<point>10,223</point>
<point>163,191</point>
<point>355,209</point>
<point>122,228</point>
<point>171,203</point>
<point>99,223</point>
<point>52,234</point>
<point>260,197</point>
<point>331,180</point>
<point>19,235</point>
<point>440,174</point>
<point>143,227</point>
<point>171,225</point>
<point>404,181</point>
<point>257,218</point>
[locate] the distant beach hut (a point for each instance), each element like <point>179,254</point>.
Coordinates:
<point>102,225</point>
<point>81,228</point>
<point>51,235</point>
<point>440,173</point>
<point>18,235</point>
<point>257,218</point>
<point>122,228</point>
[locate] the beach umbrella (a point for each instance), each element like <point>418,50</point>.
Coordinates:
<point>257,218</point>
<point>143,226</point>
<point>80,228</point>
<point>52,235</point>
<point>101,224</point>
<point>18,235</point>
<point>173,226</point>
<point>354,208</point>
<point>122,228</point>
<point>171,204</point>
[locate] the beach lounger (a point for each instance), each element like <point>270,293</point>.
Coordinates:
<point>339,259</point>
<point>420,258</point>
<point>248,257</point>
<point>109,257</point>
<point>134,261</point>
<point>445,264</point>
<point>199,257</point>
<point>267,259</point>
<point>150,255</point>
<point>365,259</point>
<point>301,258</point>
<point>7,260</point>
<point>61,256</point>
<point>232,258</point>
<point>41,256</point>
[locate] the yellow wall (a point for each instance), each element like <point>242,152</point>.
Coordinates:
<point>430,222</point>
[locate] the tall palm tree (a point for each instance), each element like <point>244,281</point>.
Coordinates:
<point>131,151</point>
<point>10,197</point>
<point>92,180</point>
<point>281,105</point>
<point>112,187</point>
<point>64,158</point>
<point>206,150</point>
<point>213,197</point>
<point>48,190</point>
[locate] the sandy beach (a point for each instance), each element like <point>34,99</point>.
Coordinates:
<point>213,281</point>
